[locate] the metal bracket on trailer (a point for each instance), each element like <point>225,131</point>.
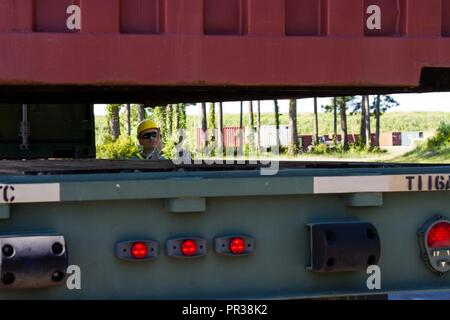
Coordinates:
<point>33,261</point>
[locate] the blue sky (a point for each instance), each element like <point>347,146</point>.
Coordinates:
<point>426,102</point>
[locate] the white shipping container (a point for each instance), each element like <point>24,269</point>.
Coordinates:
<point>409,137</point>
<point>269,138</point>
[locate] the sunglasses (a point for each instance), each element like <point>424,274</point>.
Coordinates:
<point>149,135</point>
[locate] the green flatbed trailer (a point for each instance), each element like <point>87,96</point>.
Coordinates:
<point>98,205</point>
<point>89,229</point>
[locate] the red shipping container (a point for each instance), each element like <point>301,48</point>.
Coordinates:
<point>396,138</point>
<point>157,47</point>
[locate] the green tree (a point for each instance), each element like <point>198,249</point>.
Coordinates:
<point>113,116</point>
<point>128,118</point>
<point>212,120</point>
<point>258,127</point>
<point>332,106</point>
<point>181,116</point>
<point>204,127</point>
<point>342,102</point>
<point>169,118</point>
<point>316,123</point>
<point>360,104</point>
<point>141,112</point>
<point>379,106</point>
<point>160,116</point>
<point>367,128</point>
<point>251,126</point>
<point>125,147</point>
<point>277,124</point>
<point>293,136</point>
<point>220,129</point>
<point>241,127</point>
<point>334,119</point>
<point>212,116</point>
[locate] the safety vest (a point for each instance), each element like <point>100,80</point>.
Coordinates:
<point>139,156</point>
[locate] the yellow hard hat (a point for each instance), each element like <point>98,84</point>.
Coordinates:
<point>145,125</point>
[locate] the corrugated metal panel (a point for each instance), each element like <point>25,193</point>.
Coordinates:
<point>225,17</point>
<point>396,138</point>
<point>306,142</point>
<point>408,137</point>
<point>386,139</point>
<point>276,26</point>
<point>269,136</point>
<point>141,16</point>
<point>231,136</point>
<point>303,17</point>
<point>51,16</point>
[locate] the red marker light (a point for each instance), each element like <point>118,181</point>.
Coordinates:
<point>139,250</point>
<point>439,235</point>
<point>237,246</point>
<point>189,248</point>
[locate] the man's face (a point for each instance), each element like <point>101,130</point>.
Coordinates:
<point>150,139</point>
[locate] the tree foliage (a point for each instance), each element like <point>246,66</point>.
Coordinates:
<point>181,116</point>
<point>442,137</point>
<point>125,147</point>
<point>212,116</point>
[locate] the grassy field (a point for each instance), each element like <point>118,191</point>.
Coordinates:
<point>390,122</point>
<point>422,155</point>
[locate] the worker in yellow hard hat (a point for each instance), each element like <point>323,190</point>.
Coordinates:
<point>150,140</point>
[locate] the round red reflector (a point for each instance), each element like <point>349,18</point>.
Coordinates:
<point>237,246</point>
<point>189,248</point>
<point>139,250</point>
<point>439,235</point>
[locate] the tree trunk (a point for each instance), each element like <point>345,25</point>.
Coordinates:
<point>114,122</point>
<point>141,112</point>
<point>334,119</point>
<point>220,128</point>
<point>128,113</point>
<point>212,120</point>
<point>362,130</point>
<point>251,125</point>
<point>293,137</point>
<point>367,122</point>
<point>204,126</point>
<point>160,115</point>
<point>343,112</point>
<point>316,123</point>
<point>169,110</point>
<point>241,127</point>
<point>180,126</point>
<point>258,128</point>
<point>176,117</point>
<point>377,121</point>
<point>277,125</point>
<point>181,123</point>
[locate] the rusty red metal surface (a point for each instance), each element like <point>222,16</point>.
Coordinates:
<point>231,137</point>
<point>391,139</point>
<point>222,43</point>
